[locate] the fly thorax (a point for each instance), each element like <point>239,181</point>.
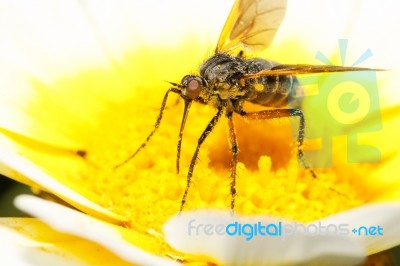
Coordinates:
<point>222,73</point>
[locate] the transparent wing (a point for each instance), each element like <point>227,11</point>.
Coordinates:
<point>280,70</point>
<point>251,25</point>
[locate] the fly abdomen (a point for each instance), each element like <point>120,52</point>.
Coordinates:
<point>272,91</point>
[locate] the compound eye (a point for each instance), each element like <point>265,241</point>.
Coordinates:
<point>192,86</point>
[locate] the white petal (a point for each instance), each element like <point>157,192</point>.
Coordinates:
<point>47,42</point>
<point>384,215</point>
<point>69,221</point>
<point>11,161</point>
<point>186,233</point>
<point>18,250</point>
<point>46,38</point>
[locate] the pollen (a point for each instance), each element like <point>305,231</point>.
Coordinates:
<point>258,87</point>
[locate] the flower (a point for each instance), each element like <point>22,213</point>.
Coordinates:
<point>81,90</point>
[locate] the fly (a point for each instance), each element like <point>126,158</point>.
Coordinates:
<point>227,80</point>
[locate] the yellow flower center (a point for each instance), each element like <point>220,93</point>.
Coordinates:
<point>148,191</point>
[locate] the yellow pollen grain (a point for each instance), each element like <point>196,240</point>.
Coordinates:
<point>258,87</point>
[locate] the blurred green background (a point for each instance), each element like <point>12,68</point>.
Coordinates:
<point>8,190</point>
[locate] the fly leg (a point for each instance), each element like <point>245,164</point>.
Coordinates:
<point>300,139</point>
<point>156,126</point>
<point>270,114</point>
<point>203,136</point>
<point>235,150</point>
